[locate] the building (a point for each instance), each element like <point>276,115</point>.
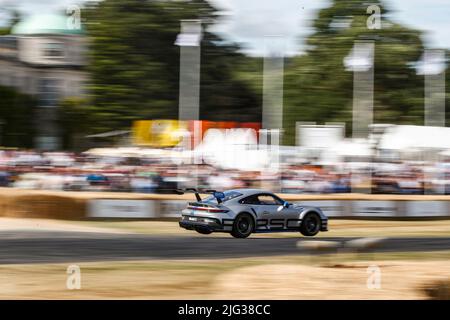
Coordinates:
<point>44,57</point>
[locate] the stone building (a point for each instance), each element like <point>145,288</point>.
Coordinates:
<point>44,57</point>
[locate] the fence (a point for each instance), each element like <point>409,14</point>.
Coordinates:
<point>109,205</point>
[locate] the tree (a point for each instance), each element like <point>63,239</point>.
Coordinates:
<point>76,117</point>
<point>134,64</point>
<point>15,17</point>
<point>319,89</point>
<point>16,124</point>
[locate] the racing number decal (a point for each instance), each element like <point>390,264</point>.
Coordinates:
<point>276,224</point>
<point>262,223</point>
<point>293,223</point>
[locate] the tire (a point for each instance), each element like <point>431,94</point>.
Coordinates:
<point>243,226</point>
<point>203,230</point>
<point>310,225</point>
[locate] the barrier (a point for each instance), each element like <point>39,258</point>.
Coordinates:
<point>71,205</point>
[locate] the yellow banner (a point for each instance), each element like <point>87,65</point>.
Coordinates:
<point>157,133</point>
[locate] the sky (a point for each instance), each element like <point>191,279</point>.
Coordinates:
<point>262,25</point>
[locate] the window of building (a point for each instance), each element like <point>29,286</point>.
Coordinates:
<point>49,92</point>
<point>53,50</point>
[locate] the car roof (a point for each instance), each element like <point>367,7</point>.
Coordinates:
<point>249,192</point>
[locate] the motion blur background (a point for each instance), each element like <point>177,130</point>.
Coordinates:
<point>92,94</point>
<point>107,106</point>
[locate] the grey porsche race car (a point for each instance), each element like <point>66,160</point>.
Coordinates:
<point>243,211</point>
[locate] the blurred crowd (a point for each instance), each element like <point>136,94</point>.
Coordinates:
<point>83,172</point>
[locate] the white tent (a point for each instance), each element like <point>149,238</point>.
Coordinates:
<point>356,148</point>
<point>445,153</point>
<point>232,149</point>
<point>404,138</point>
<point>132,152</point>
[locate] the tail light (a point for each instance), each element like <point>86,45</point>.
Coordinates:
<point>206,209</point>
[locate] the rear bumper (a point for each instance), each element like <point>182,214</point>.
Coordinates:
<point>201,222</point>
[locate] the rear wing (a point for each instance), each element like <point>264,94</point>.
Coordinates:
<point>217,194</point>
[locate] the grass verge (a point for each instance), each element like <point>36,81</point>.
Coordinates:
<point>343,276</point>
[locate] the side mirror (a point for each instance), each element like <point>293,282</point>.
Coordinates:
<point>285,205</point>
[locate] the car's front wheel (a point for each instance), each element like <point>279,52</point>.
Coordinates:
<point>242,226</point>
<point>310,224</point>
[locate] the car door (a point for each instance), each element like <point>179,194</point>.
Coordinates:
<point>251,203</point>
<point>268,211</point>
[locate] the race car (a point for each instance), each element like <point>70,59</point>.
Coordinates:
<point>241,212</point>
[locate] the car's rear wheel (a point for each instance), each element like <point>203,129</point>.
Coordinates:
<point>310,225</point>
<point>242,226</point>
<point>203,230</point>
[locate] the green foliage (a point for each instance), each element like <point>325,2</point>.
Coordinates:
<point>319,89</point>
<point>76,117</point>
<point>15,18</point>
<point>134,64</point>
<point>16,118</point>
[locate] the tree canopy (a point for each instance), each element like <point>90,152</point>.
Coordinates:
<point>16,124</point>
<point>134,65</point>
<point>319,89</point>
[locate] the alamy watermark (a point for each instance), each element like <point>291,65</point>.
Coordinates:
<point>74,279</point>
<point>374,20</point>
<point>374,278</point>
<point>73,21</point>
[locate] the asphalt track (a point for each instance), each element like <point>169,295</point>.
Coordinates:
<point>59,247</point>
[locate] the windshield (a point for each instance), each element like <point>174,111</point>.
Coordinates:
<point>228,196</point>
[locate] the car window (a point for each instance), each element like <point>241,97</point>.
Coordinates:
<point>250,200</point>
<point>265,199</point>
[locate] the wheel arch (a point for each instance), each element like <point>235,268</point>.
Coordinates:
<point>251,214</point>
<point>313,210</point>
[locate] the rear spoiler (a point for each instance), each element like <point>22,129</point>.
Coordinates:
<point>217,194</point>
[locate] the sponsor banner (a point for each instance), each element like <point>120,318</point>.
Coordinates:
<point>374,208</point>
<point>171,208</point>
<point>426,209</point>
<point>169,133</point>
<point>112,208</point>
<point>331,208</point>
<point>158,133</point>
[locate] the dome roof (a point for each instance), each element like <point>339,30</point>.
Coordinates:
<point>45,24</point>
